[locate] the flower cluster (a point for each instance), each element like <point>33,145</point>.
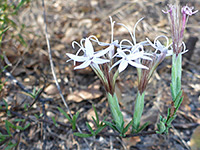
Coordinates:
<point>132,54</point>
<point>139,55</point>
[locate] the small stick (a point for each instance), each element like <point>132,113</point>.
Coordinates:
<point>53,71</point>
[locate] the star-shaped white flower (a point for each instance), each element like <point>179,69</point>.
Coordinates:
<point>128,59</point>
<point>89,56</point>
<point>160,47</point>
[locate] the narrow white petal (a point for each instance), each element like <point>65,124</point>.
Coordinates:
<point>111,51</point>
<point>123,65</point>
<point>100,61</point>
<point>89,50</point>
<point>121,53</point>
<point>134,56</point>
<point>83,65</point>
<point>76,58</point>
<point>153,45</point>
<point>137,65</point>
<point>159,45</point>
<point>145,57</point>
<point>115,64</point>
<point>102,52</point>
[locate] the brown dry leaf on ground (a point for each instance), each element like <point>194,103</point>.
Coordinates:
<point>195,139</point>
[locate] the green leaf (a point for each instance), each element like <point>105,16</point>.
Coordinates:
<point>7,127</point>
<point>115,77</point>
<point>96,123</point>
<point>74,118</point>
<point>20,4</point>
<point>99,129</point>
<point>28,124</point>
<point>96,114</point>
<point>65,114</point>
<point>170,120</point>
<point>172,92</point>
<point>10,146</point>
<point>178,98</point>
<point>161,127</point>
<point>36,116</point>
<point>168,112</point>
<point>112,126</point>
<point>54,121</point>
<point>21,39</point>
<point>143,126</point>
<point>83,135</point>
<point>19,120</point>
<point>90,128</point>
<point>127,126</point>
<point>179,103</point>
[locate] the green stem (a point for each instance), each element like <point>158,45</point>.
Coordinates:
<point>176,74</point>
<point>115,110</point>
<point>139,106</point>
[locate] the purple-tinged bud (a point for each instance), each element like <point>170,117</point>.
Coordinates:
<point>188,10</point>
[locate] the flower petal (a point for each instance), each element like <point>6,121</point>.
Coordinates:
<point>115,64</point>
<point>102,52</point>
<point>100,60</point>
<point>146,57</point>
<point>137,65</point>
<point>123,65</point>
<point>83,65</point>
<point>135,56</point>
<point>121,53</point>
<point>76,58</point>
<point>89,50</point>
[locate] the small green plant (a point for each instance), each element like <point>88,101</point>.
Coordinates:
<point>12,128</point>
<point>7,11</point>
<point>71,120</point>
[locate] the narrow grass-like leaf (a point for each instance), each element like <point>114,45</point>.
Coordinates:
<point>7,127</point>
<point>90,128</point>
<point>74,118</point>
<point>96,123</point>
<point>178,97</point>
<point>65,114</point>
<point>54,121</point>
<point>143,126</point>
<point>96,114</point>
<point>99,129</point>
<point>127,126</point>
<point>10,146</point>
<point>83,135</point>
<point>179,104</point>
<point>19,120</point>
<point>112,126</point>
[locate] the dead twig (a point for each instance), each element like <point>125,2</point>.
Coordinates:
<point>53,71</point>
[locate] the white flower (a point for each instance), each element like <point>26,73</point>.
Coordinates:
<point>161,48</point>
<point>128,59</point>
<point>89,57</point>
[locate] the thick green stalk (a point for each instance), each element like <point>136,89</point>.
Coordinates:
<point>115,110</point>
<point>139,106</point>
<point>176,74</point>
<point>176,92</point>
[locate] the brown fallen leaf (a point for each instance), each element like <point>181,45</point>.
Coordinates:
<point>78,96</point>
<point>195,139</point>
<point>51,89</point>
<point>132,141</point>
<point>92,92</point>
